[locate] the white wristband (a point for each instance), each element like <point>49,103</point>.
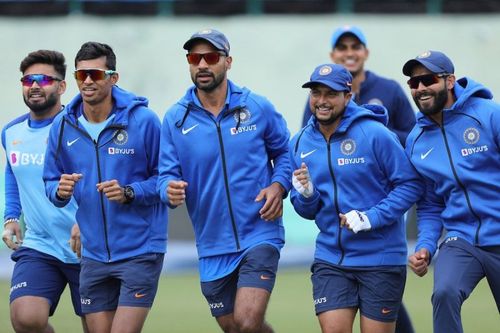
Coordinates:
<point>11,220</point>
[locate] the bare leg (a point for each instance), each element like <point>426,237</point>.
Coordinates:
<point>374,326</point>
<point>250,310</point>
<point>337,321</point>
<point>30,314</point>
<point>129,319</point>
<point>99,322</point>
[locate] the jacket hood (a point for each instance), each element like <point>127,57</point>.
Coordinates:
<point>464,89</point>
<point>123,101</point>
<point>354,112</point>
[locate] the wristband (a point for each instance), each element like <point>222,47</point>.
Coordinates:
<point>11,220</point>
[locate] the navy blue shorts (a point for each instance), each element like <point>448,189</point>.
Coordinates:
<point>129,282</point>
<point>257,270</point>
<point>42,275</point>
<point>376,291</point>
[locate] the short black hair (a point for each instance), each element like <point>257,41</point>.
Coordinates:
<point>48,57</point>
<point>94,50</point>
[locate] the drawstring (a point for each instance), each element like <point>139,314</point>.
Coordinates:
<point>298,139</point>
<point>179,124</point>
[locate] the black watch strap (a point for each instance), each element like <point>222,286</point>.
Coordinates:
<point>129,194</point>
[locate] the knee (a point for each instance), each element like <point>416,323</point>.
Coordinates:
<point>24,324</point>
<point>248,325</point>
<point>448,294</point>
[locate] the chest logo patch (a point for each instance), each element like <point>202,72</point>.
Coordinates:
<point>348,147</point>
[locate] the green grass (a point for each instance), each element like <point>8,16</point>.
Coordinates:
<point>180,308</point>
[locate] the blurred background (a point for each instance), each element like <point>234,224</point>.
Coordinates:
<point>275,45</point>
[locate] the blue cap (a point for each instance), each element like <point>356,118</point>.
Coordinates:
<point>336,77</point>
<point>348,29</point>
<point>435,61</point>
<point>214,37</point>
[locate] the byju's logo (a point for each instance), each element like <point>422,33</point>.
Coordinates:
<point>120,151</point>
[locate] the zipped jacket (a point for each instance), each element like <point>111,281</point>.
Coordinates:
<point>126,150</point>
<point>226,161</point>
<point>362,166</point>
<point>460,163</point>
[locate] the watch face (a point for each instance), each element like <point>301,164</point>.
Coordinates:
<point>128,192</point>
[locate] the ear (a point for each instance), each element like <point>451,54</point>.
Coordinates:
<point>114,78</point>
<point>229,61</point>
<point>62,87</point>
<point>450,81</point>
<point>332,56</point>
<point>347,98</point>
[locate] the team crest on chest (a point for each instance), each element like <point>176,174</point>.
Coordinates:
<point>242,116</point>
<point>120,137</point>
<point>471,135</point>
<point>348,147</point>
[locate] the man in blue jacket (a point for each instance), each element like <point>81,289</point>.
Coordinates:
<point>103,151</point>
<point>224,151</point>
<point>455,146</point>
<point>349,48</point>
<point>45,263</point>
<point>352,177</point>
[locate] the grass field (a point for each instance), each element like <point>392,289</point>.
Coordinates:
<point>180,308</point>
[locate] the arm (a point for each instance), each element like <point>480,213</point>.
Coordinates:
<point>169,166</point>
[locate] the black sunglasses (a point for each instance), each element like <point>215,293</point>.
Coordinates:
<point>426,80</point>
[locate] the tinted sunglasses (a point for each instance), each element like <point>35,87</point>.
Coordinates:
<point>426,80</point>
<point>95,74</point>
<point>211,58</point>
<point>41,79</point>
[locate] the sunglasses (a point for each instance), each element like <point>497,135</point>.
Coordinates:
<point>95,74</point>
<point>211,58</point>
<point>426,80</point>
<point>41,79</point>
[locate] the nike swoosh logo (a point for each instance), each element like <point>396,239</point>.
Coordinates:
<point>137,295</point>
<point>70,143</point>
<point>16,142</point>
<point>265,277</point>
<point>423,156</point>
<point>386,311</point>
<point>186,131</point>
<point>304,155</point>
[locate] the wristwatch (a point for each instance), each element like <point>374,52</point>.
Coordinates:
<point>129,194</point>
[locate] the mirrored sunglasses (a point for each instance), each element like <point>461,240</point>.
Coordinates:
<point>94,74</point>
<point>41,79</point>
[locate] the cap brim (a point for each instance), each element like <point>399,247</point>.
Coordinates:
<point>410,64</point>
<point>331,85</point>
<point>189,44</point>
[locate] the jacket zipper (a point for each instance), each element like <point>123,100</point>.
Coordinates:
<point>335,198</point>
<point>226,183</point>
<point>462,186</point>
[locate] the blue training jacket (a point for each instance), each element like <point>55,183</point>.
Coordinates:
<point>226,161</point>
<point>126,150</point>
<point>362,167</point>
<point>460,163</point>
<point>379,90</point>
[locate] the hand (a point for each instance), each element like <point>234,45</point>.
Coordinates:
<point>10,230</point>
<point>273,207</point>
<point>301,181</point>
<point>355,221</point>
<point>176,192</point>
<point>112,190</point>
<point>67,185</point>
<point>74,240</point>
<point>419,262</point>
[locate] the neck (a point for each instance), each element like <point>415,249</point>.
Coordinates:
<point>328,130</point>
<point>438,117</point>
<point>213,101</point>
<point>357,79</point>
<point>99,112</point>
<point>46,114</point>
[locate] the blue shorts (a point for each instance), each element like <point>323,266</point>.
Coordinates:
<point>376,291</point>
<point>257,270</point>
<point>42,275</point>
<point>129,282</point>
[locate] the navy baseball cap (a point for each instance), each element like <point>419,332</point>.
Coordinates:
<point>348,30</point>
<point>337,77</point>
<point>214,37</point>
<point>435,61</point>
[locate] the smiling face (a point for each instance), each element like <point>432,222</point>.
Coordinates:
<point>95,92</point>
<point>350,53</point>
<point>328,105</point>
<point>42,100</point>
<point>435,97</point>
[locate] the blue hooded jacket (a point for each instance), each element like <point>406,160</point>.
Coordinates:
<point>226,161</point>
<point>126,150</point>
<point>460,163</point>
<point>362,167</point>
